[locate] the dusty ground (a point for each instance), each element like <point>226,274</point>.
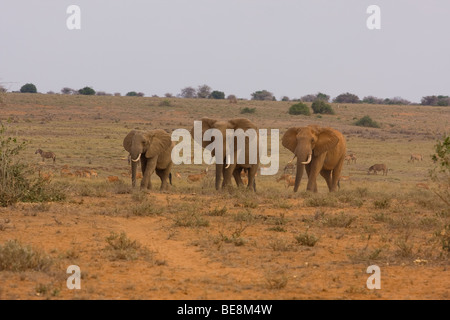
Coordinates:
<point>195,243</point>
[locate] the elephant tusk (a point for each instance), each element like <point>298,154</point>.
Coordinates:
<point>309,159</point>
<point>137,158</point>
<point>229,162</point>
<point>292,159</point>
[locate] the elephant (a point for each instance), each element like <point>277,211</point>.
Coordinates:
<point>153,148</point>
<point>318,150</point>
<point>226,169</point>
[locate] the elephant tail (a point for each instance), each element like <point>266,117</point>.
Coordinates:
<point>170,178</point>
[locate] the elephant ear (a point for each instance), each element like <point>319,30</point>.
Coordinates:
<point>327,140</point>
<point>289,140</point>
<point>158,142</point>
<point>207,123</point>
<point>128,140</point>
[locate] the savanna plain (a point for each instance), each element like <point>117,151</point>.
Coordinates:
<point>193,242</point>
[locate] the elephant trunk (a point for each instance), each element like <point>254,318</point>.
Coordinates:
<point>133,173</point>
<point>299,174</point>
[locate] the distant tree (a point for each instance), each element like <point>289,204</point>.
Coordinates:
<point>299,108</point>
<point>28,88</point>
<point>131,94</point>
<point>443,101</point>
<point>285,98</point>
<point>100,93</point>
<point>140,94</point>
<point>372,100</point>
<point>262,95</point>
<point>50,92</point>
<point>3,89</point>
<point>320,106</point>
<point>396,101</point>
<point>203,91</point>
<point>168,95</point>
<point>88,91</point>
<point>346,98</point>
<point>187,92</point>
<point>308,98</point>
<point>117,94</point>
<point>217,95</point>
<point>67,90</point>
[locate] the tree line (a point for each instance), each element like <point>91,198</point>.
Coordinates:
<point>205,92</point>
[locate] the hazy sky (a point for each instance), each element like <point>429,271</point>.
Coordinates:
<point>289,47</point>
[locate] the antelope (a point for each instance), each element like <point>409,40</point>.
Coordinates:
<point>415,157</point>
<point>113,178</point>
<point>178,175</point>
<point>283,177</point>
<point>197,177</point>
<point>290,181</point>
<point>44,155</point>
<point>65,172</point>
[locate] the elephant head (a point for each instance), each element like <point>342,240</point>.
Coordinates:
<point>224,168</point>
<point>310,145</point>
<point>145,145</point>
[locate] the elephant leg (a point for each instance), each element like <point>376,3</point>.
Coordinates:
<point>219,174</point>
<point>326,174</point>
<point>149,169</point>
<point>227,173</point>
<point>336,175</point>
<point>163,174</point>
<point>237,176</point>
<point>251,177</point>
<point>314,168</point>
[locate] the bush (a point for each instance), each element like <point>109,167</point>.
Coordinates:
<point>248,110</point>
<point>320,106</point>
<point>217,95</point>
<point>346,98</point>
<point>262,95</point>
<point>440,174</point>
<point>299,108</point>
<point>28,88</point>
<point>17,182</point>
<point>16,257</point>
<point>367,121</point>
<point>88,91</point>
<point>132,94</point>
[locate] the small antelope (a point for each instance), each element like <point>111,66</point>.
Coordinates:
<point>290,181</point>
<point>283,177</point>
<point>415,157</point>
<point>113,178</point>
<point>178,175</point>
<point>197,177</point>
<point>46,155</point>
<point>65,172</point>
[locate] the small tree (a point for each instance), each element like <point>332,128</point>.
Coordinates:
<point>187,92</point>
<point>320,106</point>
<point>131,94</point>
<point>203,91</point>
<point>440,174</point>
<point>285,98</point>
<point>28,88</point>
<point>262,95</point>
<point>67,90</point>
<point>299,108</point>
<point>217,95</point>
<point>87,91</point>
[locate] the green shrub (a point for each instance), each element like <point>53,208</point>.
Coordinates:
<point>320,106</point>
<point>131,94</point>
<point>16,178</point>
<point>28,88</point>
<point>16,257</point>
<point>217,95</point>
<point>299,108</point>
<point>248,110</point>
<point>367,121</point>
<point>87,91</point>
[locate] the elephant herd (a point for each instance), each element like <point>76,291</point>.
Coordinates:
<point>318,150</point>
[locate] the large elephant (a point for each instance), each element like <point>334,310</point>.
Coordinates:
<point>318,150</point>
<point>153,148</point>
<point>226,169</point>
